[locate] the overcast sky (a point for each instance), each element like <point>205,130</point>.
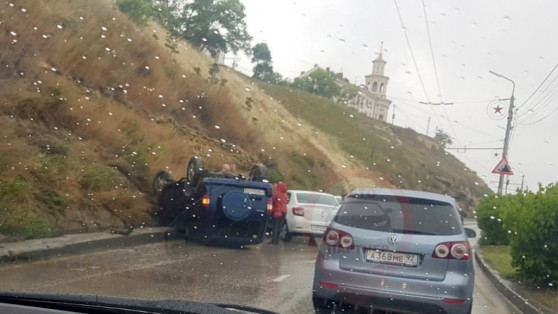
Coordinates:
<point>468,38</point>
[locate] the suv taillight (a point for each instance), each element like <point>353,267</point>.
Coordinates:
<point>205,200</point>
<point>269,206</point>
<point>298,211</point>
<point>452,250</point>
<point>338,238</point>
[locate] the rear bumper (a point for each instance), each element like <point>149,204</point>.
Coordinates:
<point>391,293</point>
<point>300,226</point>
<point>241,232</point>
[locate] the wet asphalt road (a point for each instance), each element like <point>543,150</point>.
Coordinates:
<point>277,278</point>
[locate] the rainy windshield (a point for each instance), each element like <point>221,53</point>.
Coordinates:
<point>390,214</point>
<point>148,149</point>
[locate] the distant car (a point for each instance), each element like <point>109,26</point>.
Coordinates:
<point>308,213</point>
<point>395,250</point>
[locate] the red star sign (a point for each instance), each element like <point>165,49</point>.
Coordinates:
<point>498,109</point>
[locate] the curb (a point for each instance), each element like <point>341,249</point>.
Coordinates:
<point>520,302</point>
<point>80,243</point>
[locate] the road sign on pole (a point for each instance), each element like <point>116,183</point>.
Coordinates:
<point>503,167</point>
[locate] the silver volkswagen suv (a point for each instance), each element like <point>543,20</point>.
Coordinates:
<point>395,250</point>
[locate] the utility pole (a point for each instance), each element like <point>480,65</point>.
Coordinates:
<point>508,129</point>
<point>522,179</point>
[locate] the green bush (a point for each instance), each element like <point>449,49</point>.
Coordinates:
<point>274,175</point>
<point>534,248</point>
<point>58,148</point>
<point>13,190</point>
<point>529,223</point>
<point>51,199</point>
<point>99,178</point>
<point>489,212</point>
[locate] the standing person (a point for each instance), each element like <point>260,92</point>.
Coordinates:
<point>279,210</point>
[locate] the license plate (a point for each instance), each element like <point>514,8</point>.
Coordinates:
<point>392,258</point>
<point>318,228</point>
<point>254,191</point>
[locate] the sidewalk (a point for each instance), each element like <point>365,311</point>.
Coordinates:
<point>78,243</point>
<point>506,289</point>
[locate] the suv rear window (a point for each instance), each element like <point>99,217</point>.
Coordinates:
<point>399,215</point>
<point>312,198</point>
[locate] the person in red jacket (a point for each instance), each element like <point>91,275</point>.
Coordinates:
<point>279,210</point>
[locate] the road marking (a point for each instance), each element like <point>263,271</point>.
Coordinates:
<point>281,278</point>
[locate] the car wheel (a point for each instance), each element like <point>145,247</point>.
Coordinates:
<point>187,232</point>
<point>258,173</point>
<point>286,236</point>
<point>165,208</point>
<point>322,305</point>
<point>161,179</point>
<point>194,170</point>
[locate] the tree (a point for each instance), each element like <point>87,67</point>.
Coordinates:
<point>212,25</point>
<point>261,53</point>
<point>320,82</point>
<point>443,138</point>
<point>263,70</point>
<point>346,93</point>
<point>138,11</point>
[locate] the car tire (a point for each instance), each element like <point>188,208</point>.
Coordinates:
<point>161,179</point>
<point>286,236</point>
<point>166,217</point>
<point>187,233</point>
<point>195,167</point>
<point>258,173</point>
<point>322,305</point>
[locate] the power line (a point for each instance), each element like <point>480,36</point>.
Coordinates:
<point>453,101</point>
<point>405,101</point>
<point>550,97</point>
<point>546,95</point>
<point>538,87</point>
<point>411,50</point>
<point>431,50</point>
<point>541,119</point>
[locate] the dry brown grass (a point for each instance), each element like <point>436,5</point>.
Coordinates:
<point>79,76</point>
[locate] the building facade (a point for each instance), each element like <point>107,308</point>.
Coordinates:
<point>371,98</point>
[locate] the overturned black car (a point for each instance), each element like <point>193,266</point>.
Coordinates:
<point>215,207</point>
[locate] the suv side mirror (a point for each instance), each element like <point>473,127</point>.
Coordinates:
<point>470,233</point>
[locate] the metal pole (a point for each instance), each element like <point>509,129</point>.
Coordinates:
<point>508,129</point>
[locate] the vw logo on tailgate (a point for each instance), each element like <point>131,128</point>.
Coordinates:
<point>393,239</point>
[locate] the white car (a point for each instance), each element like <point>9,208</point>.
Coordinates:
<point>308,213</point>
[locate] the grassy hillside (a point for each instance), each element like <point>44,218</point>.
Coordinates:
<point>399,157</point>
<point>93,106</point>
